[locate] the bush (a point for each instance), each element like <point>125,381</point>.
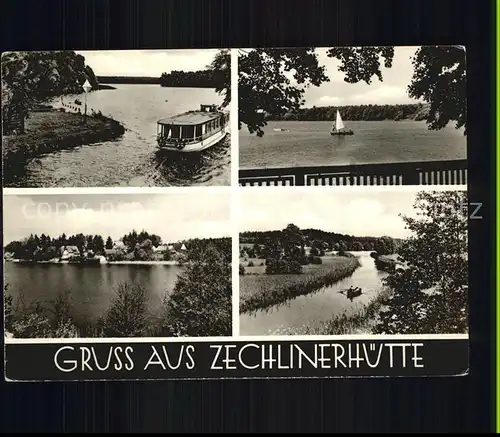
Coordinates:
<point>374,255</point>
<point>343,252</point>
<point>32,325</point>
<point>118,256</point>
<point>126,317</point>
<point>201,302</point>
<point>282,266</point>
<point>251,264</point>
<point>316,260</point>
<point>8,311</point>
<point>314,251</point>
<point>242,269</point>
<point>31,320</point>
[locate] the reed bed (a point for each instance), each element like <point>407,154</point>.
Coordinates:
<point>354,321</point>
<point>258,292</point>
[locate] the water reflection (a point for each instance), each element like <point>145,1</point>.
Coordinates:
<point>347,295</point>
<point>131,160</point>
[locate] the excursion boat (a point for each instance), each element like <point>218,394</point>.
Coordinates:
<point>338,127</point>
<point>193,131</point>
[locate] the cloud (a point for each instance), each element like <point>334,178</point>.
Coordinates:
<point>359,213</point>
<point>393,89</point>
<point>172,216</point>
<point>384,94</point>
<point>330,101</point>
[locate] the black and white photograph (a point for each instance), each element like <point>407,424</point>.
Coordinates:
<point>353,261</point>
<point>124,118</point>
<point>352,116</point>
<point>117,265</point>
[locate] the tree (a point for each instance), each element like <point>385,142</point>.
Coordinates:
<point>221,75</point>
<point>440,78</point>
<point>293,241</point>
<point>143,251</point>
<point>127,315</point>
<point>201,302</point>
<point>430,295</point>
<point>357,246</point>
<point>265,80</point>
<point>109,243</point>
<point>98,244</point>
<point>384,246</point>
<point>31,77</point>
<point>264,85</point>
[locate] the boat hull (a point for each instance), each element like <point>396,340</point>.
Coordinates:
<point>198,146</point>
<point>341,134</point>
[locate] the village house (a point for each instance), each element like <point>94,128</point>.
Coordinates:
<point>69,252</point>
<point>119,245</point>
<point>162,248</point>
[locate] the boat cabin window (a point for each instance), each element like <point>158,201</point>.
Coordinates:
<point>208,108</point>
<point>170,131</point>
<point>177,131</point>
<point>187,131</point>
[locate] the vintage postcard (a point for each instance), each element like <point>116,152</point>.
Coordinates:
<point>333,244</point>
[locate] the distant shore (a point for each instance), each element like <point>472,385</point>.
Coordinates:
<point>162,263</point>
<point>408,112</point>
<point>52,130</point>
<point>106,87</point>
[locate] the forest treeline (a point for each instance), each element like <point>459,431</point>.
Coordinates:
<point>175,79</point>
<point>311,237</point>
<point>417,111</point>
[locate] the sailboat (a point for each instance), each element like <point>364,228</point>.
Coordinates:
<point>338,127</point>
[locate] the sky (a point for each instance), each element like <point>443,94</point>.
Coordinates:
<point>149,63</point>
<point>393,89</point>
<point>172,216</point>
<point>360,212</point>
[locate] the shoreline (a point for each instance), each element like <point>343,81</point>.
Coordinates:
<point>83,264</point>
<point>52,130</point>
<point>304,284</point>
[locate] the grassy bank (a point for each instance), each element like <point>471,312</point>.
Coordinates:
<point>52,130</point>
<point>359,321</point>
<point>260,291</point>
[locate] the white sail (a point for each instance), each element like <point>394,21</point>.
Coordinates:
<point>339,124</point>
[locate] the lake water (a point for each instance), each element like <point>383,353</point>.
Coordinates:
<point>131,160</point>
<point>310,143</point>
<point>92,287</point>
<point>317,307</point>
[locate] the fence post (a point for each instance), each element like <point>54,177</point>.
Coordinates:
<point>299,179</point>
<point>411,177</point>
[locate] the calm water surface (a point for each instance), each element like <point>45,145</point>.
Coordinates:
<point>310,143</point>
<point>92,287</point>
<point>131,160</point>
<point>317,307</point>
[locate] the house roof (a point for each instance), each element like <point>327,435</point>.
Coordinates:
<point>190,118</point>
